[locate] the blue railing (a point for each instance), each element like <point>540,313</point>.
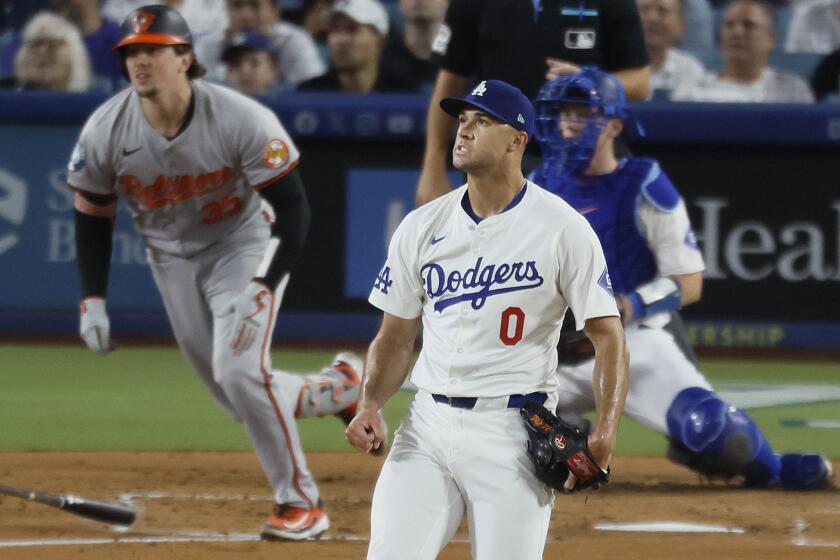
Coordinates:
<point>396,116</point>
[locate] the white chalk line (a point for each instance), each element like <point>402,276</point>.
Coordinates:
<point>170,536</point>
<point>799,539</point>
<point>666,527</point>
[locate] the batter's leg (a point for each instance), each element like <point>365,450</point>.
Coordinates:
<point>417,506</point>
<point>265,408</point>
<point>333,390</point>
<point>190,317</point>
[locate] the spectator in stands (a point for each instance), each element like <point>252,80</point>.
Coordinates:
<point>815,27</point>
<point>249,64</point>
<point>203,16</point>
<point>411,51</point>
<point>747,37</point>
<point>356,35</point>
<point>315,16</point>
<point>15,14</point>
<point>826,79</point>
<point>52,57</point>
<point>294,52</point>
<point>100,35</point>
<point>699,29</point>
<point>662,23</point>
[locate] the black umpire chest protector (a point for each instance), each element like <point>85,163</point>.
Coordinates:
<point>516,36</point>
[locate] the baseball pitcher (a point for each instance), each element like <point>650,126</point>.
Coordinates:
<point>490,270</point>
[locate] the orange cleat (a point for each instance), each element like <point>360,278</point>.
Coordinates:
<point>295,523</point>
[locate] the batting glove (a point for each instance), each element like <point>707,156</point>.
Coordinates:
<point>94,326</point>
<point>253,310</point>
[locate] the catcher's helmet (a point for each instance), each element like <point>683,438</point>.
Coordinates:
<point>601,92</point>
<point>155,25</point>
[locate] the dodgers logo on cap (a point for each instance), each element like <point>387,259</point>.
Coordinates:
<point>500,100</point>
<point>480,89</point>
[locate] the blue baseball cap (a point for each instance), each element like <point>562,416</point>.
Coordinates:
<point>499,99</point>
<point>245,41</point>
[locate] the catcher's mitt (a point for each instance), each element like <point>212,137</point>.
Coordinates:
<point>574,347</point>
<point>558,448</point>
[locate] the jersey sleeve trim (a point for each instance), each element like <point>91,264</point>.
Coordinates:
<point>658,190</point>
<point>84,206</point>
<point>277,177</point>
<point>80,190</point>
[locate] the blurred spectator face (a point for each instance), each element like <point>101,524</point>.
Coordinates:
<point>662,22</point>
<point>253,72</point>
<point>74,9</point>
<point>428,10</point>
<point>45,61</point>
<point>251,15</point>
<point>747,35</point>
<point>352,45</point>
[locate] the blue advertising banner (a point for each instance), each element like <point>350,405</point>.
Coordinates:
<point>37,242</point>
<point>769,233</point>
<point>377,201</point>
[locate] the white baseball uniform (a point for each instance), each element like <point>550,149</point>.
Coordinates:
<point>492,294</point>
<point>194,201</point>
<point>658,368</point>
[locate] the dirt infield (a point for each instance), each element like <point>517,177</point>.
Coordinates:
<point>209,506</point>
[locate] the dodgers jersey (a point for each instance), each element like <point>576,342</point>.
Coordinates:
<point>189,192</point>
<point>493,292</point>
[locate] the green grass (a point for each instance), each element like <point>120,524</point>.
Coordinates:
<point>139,398</point>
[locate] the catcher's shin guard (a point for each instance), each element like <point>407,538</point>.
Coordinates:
<point>717,439</point>
<point>806,471</point>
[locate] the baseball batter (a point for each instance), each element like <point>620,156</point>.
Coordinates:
<point>210,178</point>
<point>490,268</point>
<point>656,267</point>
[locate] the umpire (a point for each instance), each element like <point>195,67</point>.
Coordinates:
<point>525,42</point>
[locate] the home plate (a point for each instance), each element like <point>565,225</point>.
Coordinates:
<point>666,527</point>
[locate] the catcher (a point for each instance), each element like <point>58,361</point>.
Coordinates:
<point>656,268</point>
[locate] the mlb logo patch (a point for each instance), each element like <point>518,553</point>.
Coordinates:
<point>77,158</point>
<point>605,282</point>
<point>441,43</point>
<point>580,39</point>
<point>691,240</point>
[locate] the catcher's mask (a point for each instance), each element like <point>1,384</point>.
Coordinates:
<point>580,104</point>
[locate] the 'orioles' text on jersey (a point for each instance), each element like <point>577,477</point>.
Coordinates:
<point>190,191</point>
<point>493,292</point>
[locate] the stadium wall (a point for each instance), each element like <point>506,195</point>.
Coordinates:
<point>760,183</point>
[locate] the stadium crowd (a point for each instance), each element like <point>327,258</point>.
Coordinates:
<point>785,51</point>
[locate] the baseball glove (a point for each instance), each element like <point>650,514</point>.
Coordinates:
<point>574,347</point>
<point>557,448</point>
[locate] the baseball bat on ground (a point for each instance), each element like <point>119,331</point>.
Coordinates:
<point>107,512</point>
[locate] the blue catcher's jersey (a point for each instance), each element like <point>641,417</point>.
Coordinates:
<point>610,204</point>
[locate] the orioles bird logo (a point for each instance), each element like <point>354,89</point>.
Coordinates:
<point>142,21</point>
